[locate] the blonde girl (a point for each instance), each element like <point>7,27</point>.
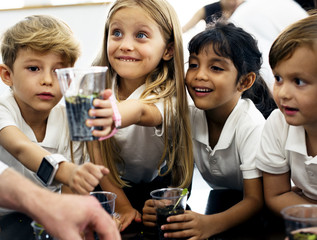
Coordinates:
<point>143,50</point>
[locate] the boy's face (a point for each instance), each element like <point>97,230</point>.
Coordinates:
<point>295,87</point>
<point>34,82</point>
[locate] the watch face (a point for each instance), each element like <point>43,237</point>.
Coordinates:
<point>45,171</point>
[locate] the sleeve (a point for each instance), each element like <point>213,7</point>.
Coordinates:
<point>271,155</point>
<point>248,140</point>
<point>7,111</point>
<point>2,167</point>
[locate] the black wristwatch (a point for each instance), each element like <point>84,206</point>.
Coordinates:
<point>48,168</point>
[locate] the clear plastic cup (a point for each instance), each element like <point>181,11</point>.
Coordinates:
<point>300,221</point>
<point>80,86</point>
<point>106,199</point>
<point>165,200</point>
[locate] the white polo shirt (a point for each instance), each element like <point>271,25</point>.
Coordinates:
<point>233,157</point>
<point>56,138</point>
<point>282,149</point>
<point>141,148</point>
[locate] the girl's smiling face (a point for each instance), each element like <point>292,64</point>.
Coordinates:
<point>295,87</point>
<point>212,81</point>
<point>135,44</point>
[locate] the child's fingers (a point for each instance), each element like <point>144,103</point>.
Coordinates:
<point>106,93</point>
<point>138,217</point>
<point>97,171</point>
<point>104,170</point>
<point>102,113</point>
<point>77,188</point>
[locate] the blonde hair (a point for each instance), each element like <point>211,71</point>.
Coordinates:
<point>302,32</point>
<point>40,33</point>
<point>164,82</point>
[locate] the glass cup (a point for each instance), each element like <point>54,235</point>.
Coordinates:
<point>300,221</point>
<point>106,199</point>
<point>164,202</point>
<point>40,233</point>
<point>80,87</point>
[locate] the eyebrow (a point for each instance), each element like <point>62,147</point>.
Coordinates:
<point>213,59</point>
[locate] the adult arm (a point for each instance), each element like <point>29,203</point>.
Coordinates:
<point>199,15</point>
<point>84,214</point>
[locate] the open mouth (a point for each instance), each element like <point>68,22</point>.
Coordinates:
<point>127,59</point>
<point>291,109</point>
<point>203,90</point>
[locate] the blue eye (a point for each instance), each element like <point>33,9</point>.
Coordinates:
<point>141,35</point>
<point>117,33</point>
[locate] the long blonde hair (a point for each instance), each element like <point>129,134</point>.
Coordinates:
<point>166,82</point>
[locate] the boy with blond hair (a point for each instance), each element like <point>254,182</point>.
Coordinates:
<point>34,135</point>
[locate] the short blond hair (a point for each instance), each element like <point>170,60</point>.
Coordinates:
<point>40,33</point>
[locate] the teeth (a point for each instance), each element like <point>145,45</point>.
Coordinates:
<point>127,60</point>
<point>202,89</point>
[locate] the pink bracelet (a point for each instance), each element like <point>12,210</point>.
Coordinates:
<point>116,117</point>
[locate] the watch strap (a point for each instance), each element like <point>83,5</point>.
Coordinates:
<point>55,158</point>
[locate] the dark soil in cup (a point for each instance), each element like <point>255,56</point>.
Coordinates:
<point>162,215</point>
<point>77,113</point>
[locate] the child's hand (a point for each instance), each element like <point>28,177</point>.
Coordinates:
<point>149,214</point>
<point>190,225</point>
<point>103,113</point>
<point>86,177</point>
<point>127,215</point>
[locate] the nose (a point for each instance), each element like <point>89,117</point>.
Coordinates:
<point>126,44</point>
<point>283,91</point>
<point>201,74</point>
<point>48,78</point>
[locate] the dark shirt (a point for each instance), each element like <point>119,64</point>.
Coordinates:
<point>212,11</point>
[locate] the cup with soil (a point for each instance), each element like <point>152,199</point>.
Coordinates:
<point>300,221</point>
<point>168,202</point>
<point>80,86</point>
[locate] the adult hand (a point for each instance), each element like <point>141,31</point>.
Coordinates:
<point>65,216</point>
<point>71,216</point>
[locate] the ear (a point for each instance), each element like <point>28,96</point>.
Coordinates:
<point>5,74</point>
<point>169,52</point>
<point>246,82</point>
